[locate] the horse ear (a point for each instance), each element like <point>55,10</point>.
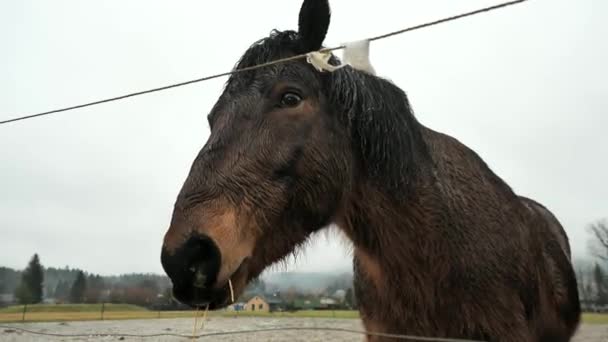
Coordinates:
<point>313,23</point>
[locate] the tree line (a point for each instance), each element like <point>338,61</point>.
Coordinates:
<point>36,283</point>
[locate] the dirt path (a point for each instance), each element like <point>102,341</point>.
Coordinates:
<point>587,333</point>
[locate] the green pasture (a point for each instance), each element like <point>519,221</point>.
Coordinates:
<point>83,312</point>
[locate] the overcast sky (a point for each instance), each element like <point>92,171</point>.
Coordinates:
<point>526,87</point>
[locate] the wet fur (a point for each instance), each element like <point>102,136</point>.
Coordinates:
<point>461,254</point>
<point>464,257</point>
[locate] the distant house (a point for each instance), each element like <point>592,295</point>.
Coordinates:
<point>257,303</point>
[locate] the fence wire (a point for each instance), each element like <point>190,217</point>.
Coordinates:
<point>11,329</point>
<point>282,60</point>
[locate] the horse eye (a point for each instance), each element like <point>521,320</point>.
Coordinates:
<point>290,100</point>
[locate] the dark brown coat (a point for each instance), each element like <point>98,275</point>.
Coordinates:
<point>442,246</point>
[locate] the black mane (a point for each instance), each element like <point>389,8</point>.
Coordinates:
<point>385,134</point>
<point>383,128</point>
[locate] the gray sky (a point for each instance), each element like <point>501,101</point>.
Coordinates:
<point>525,87</point>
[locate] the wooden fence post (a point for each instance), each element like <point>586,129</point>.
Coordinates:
<point>103,308</point>
<point>24,310</point>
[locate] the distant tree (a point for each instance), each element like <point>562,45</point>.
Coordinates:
<point>95,288</point>
<point>49,290</point>
<point>96,282</point>
<point>9,280</point>
<point>23,294</point>
<point>57,290</point>
<point>32,279</point>
<point>149,284</point>
<point>599,244</point>
<point>351,298</point>
<point>600,285</point>
<point>62,291</point>
<point>78,288</point>
<point>140,296</point>
<point>168,293</point>
<point>584,283</point>
<point>348,297</point>
<point>117,295</point>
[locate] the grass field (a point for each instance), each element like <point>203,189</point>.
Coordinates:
<point>595,318</point>
<point>72,308</point>
<point>86,312</point>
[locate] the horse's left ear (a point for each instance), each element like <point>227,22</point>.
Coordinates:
<point>313,23</point>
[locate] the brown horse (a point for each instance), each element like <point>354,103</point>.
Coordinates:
<point>442,246</point>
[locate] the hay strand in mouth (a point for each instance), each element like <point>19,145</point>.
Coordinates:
<point>231,291</point>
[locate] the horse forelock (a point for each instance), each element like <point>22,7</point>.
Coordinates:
<point>277,45</point>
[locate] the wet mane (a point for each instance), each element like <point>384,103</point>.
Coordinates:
<point>384,130</point>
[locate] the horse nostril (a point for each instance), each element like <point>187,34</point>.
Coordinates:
<point>194,265</point>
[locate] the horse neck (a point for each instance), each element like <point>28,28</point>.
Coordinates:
<point>394,234</point>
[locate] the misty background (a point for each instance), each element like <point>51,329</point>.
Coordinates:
<point>525,87</point>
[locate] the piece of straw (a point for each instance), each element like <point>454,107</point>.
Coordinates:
<point>204,317</point>
<point>231,291</point>
<point>195,323</point>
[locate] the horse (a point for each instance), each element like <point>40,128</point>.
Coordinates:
<point>442,246</point>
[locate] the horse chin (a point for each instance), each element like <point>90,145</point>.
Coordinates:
<point>214,300</point>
